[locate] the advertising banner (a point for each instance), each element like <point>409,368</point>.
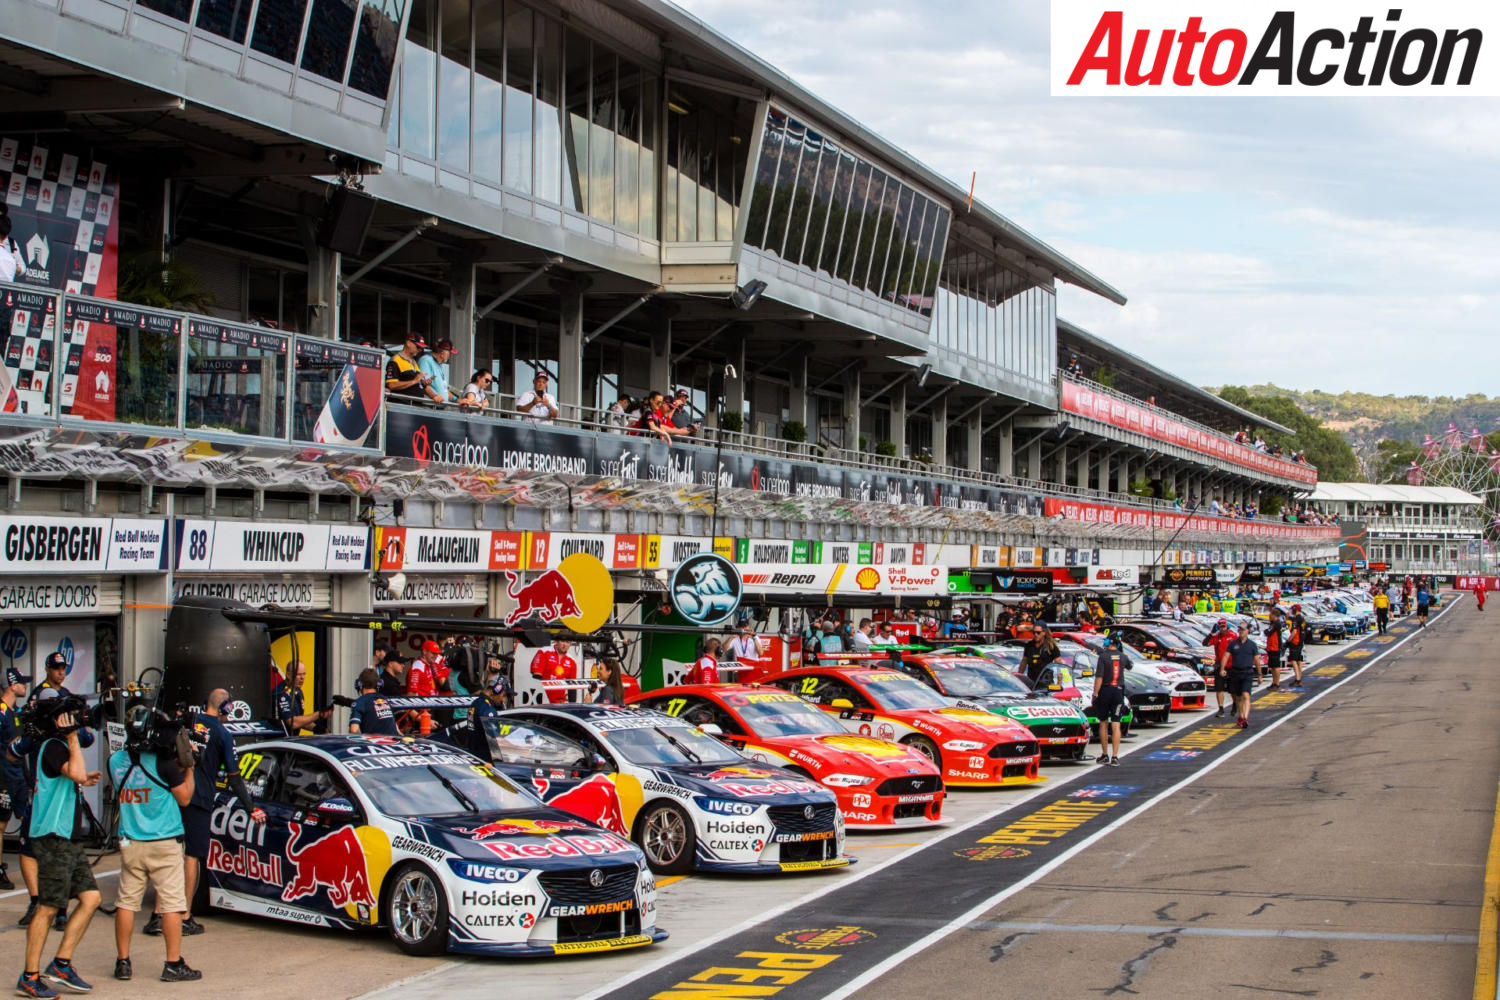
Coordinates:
<point>238,546</point>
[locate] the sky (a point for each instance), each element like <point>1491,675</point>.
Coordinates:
<point>1317,243</point>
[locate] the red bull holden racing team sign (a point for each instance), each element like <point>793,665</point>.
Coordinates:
<point>1171,48</point>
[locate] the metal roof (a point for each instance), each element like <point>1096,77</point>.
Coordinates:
<point>1391,493</point>
<point>673,20</point>
<point>1197,393</point>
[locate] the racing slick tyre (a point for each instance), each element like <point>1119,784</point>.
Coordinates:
<point>666,836</point>
<point>926,748</point>
<point>416,911</point>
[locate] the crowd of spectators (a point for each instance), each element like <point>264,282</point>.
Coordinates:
<point>1246,436</point>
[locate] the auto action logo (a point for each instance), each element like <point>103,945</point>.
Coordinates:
<point>1174,48</point>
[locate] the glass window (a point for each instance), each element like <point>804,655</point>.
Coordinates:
<point>577,71</point>
<point>375,47</point>
<point>228,18</point>
<point>278,28</point>
<point>649,99</point>
<point>804,180</point>
<point>871,244</point>
<point>602,109</point>
<point>328,33</point>
<point>900,224</point>
<point>706,135</point>
<point>418,86</point>
<point>838,213</point>
<point>627,149</point>
<point>489,91</point>
<point>145,364</point>
<point>682,145</point>
<point>236,379</point>
<point>786,188</point>
<point>177,9</point>
<point>519,66</point>
<point>854,221</point>
<point>453,80</point>
<point>447,783</point>
<point>822,206</point>
<point>765,179</point>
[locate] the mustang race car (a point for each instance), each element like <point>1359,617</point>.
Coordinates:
<point>975,749</point>
<point>692,802</point>
<point>431,843</point>
<point>975,682</point>
<point>879,784</point>
<point>1150,699</point>
<point>1189,691</point>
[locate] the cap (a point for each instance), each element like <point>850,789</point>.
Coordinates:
<point>418,339</point>
<point>1297,607</point>
<point>541,375</point>
<point>682,391</point>
<point>431,648</point>
<point>445,345</point>
<point>56,660</point>
<point>14,677</point>
<point>1223,622</point>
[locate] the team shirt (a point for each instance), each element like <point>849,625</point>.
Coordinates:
<point>372,713</point>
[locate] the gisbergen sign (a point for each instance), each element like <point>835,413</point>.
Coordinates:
<point>1329,48</point>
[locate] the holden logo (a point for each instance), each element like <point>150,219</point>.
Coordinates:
<point>808,812</point>
<point>596,878</point>
<point>421,444</point>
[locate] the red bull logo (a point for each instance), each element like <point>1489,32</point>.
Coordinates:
<point>335,862</point>
<point>518,828</point>
<point>549,597</point>
<point>595,800</point>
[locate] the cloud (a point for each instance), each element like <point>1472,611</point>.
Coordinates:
<point>1312,242</point>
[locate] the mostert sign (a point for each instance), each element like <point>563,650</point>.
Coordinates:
<point>1332,47</point>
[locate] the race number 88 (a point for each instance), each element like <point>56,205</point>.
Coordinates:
<point>197,544</point>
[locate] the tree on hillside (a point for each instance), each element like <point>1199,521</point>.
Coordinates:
<point>1392,459</point>
<point>1324,448</point>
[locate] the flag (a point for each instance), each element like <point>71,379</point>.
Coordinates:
<point>351,408</point>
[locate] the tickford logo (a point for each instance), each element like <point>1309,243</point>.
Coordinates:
<point>1332,47</point>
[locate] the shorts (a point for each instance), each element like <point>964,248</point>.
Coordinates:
<point>160,861</point>
<point>62,871</point>
<point>195,832</point>
<point>1294,654</point>
<point>1109,706</point>
<point>1273,658</point>
<point>1421,611</point>
<point>1240,681</point>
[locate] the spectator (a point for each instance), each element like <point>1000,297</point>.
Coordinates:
<point>861,641</point>
<point>653,420</point>
<point>537,403</point>
<point>745,647</point>
<point>617,417</point>
<point>611,685</point>
<point>403,376</point>
<point>477,392</point>
<point>12,258</point>
<point>681,411</point>
<point>435,367</point>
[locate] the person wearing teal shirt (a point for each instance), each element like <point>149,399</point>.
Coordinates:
<point>152,789</point>
<point>435,366</point>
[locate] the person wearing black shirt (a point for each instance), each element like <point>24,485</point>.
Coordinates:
<point>1109,699</point>
<point>393,676</point>
<point>371,714</point>
<point>287,698</point>
<point>487,704</point>
<point>1040,650</point>
<point>13,790</point>
<point>1296,636</point>
<point>1241,653</point>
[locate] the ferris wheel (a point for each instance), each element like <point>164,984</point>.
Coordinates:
<point>1465,461</point>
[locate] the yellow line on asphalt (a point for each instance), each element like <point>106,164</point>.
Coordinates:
<point>1489,917</point>
<point>669,880</point>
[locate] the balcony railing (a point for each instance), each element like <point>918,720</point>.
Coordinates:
<point>81,362</point>
<point>1084,398</point>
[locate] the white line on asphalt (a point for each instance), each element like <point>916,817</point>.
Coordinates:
<point>1241,932</point>
<point>885,965</point>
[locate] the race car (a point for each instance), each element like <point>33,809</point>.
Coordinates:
<point>974,748</point>
<point>693,803</point>
<point>879,784</point>
<point>1059,680</point>
<point>1158,642</point>
<point>1189,691</point>
<point>1150,699</point>
<point>429,842</point>
<point>975,682</point>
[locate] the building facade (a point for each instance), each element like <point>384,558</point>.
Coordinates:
<point>1436,530</point>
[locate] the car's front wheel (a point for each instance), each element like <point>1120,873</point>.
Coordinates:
<point>926,748</point>
<point>667,839</point>
<point>416,911</point>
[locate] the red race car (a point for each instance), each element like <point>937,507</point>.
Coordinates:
<point>975,749</point>
<point>879,784</point>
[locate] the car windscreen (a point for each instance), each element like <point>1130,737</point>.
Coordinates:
<point>657,745</point>
<point>769,713</point>
<point>1167,638</point>
<point>898,691</point>
<point>440,785</point>
<point>973,677</point>
<point>517,743</point>
<point>1009,657</point>
<point>1082,659</point>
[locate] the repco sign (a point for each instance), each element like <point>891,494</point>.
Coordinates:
<point>1172,48</point>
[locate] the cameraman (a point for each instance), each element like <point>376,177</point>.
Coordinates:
<point>152,783</point>
<point>58,822</point>
<point>216,757</point>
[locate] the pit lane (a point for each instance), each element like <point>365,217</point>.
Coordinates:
<point>891,893</point>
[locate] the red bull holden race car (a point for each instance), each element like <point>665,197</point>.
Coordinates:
<point>879,784</point>
<point>693,803</point>
<point>974,748</point>
<point>429,842</point>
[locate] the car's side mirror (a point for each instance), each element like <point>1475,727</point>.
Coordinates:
<point>597,762</point>
<point>842,704</point>
<point>338,808</point>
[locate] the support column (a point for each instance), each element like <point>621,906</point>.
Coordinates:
<point>143,625</point>
<point>1104,483</point>
<point>975,429</point>
<point>851,412</point>
<point>661,358</point>
<point>1082,466</point>
<point>1034,460</point>
<point>898,419</point>
<point>1006,461</point>
<point>323,294</point>
<point>461,324</point>
<point>940,431</point>
<point>1122,476</point>
<point>797,398</point>
<point>349,648</point>
<point>570,346</point>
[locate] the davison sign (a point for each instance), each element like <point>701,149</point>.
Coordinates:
<point>1253,48</point>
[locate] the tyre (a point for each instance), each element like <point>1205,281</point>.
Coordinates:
<point>926,748</point>
<point>416,911</point>
<point>667,838</point>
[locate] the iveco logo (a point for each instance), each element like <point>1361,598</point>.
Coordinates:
<point>596,878</point>
<point>808,812</point>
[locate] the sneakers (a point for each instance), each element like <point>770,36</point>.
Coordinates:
<point>66,976</point>
<point>1241,722</point>
<point>1275,686</point>
<point>5,882</point>
<point>1114,762</point>
<point>153,926</point>
<point>32,986</point>
<point>122,969</point>
<point>25,920</point>
<point>1103,758</point>
<point>1220,713</point>
<point>178,972</point>
<point>191,927</point>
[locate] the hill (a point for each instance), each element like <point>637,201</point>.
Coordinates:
<point>1364,420</point>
